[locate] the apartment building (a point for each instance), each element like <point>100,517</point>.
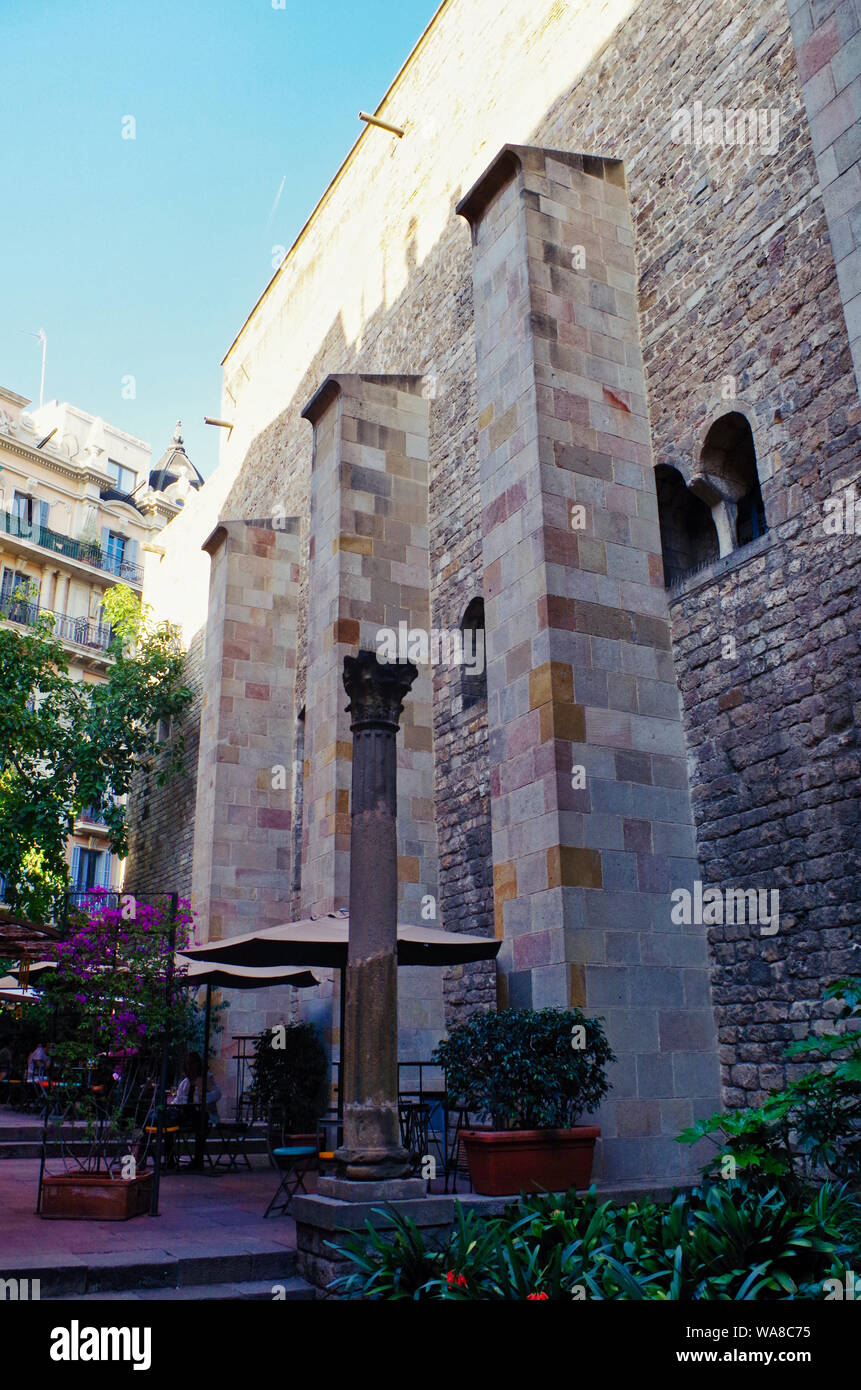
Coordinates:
<point>80,506</point>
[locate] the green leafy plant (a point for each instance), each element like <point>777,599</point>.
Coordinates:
<point>291,1076</point>
<point>392,1266</point>
<point>726,1242</point>
<point>521,1067</point>
<point>813,1124</point>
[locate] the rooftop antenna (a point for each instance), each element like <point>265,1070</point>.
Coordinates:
<point>41,336</point>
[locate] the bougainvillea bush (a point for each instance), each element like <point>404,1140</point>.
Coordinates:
<point>115,989</point>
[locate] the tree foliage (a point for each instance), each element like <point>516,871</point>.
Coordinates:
<point>68,744</point>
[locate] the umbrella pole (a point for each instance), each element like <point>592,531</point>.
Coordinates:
<point>343,1002</point>
<point>165,1051</point>
<point>204,1114</point>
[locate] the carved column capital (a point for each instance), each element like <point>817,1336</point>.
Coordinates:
<point>377,690</point>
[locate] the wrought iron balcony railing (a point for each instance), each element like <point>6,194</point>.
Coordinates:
<point>88,552</point>
<point>78,630</point>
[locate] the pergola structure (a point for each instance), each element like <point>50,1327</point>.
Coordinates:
<point>24,941</point>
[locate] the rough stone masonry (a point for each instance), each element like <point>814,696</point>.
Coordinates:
<point>721,306</point>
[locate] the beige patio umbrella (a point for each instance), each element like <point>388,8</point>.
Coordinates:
<point>212,976</point>
<point>324,941</point>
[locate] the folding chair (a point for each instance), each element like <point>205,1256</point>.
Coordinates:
<point>292,1161</point>
<point>232,1137</point>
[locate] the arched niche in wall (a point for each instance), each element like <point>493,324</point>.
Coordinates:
<point>689,539</point>
<point>726,475</point>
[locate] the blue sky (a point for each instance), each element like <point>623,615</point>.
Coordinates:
<point>143,257</point>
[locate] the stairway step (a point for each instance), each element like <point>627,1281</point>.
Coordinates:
<point>124,1276</point>
<point>32,1148</point>
<point>259,1290</point>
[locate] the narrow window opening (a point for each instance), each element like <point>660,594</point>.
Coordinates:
<point>473,686</point>
<point>688,536</point>
<point>729,459</point>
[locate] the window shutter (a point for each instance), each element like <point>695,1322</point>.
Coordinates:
<point>105,866</point>
<point>76,867</point>
<point>130,555</point>
<point>106,533</point>
<point>43,515</point>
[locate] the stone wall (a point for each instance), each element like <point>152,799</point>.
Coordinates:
<point>736,292</point>
<point>827,36</point>
<point>161,819</point>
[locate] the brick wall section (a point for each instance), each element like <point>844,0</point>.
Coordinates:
<point>368,571</point>
<point>161,819</point>
<point>579,664</point>
<point>827,36</point>
<point>774,742</point>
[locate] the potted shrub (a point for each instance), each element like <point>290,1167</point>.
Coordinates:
<point>532,1073</point>
<point>290,1076</point>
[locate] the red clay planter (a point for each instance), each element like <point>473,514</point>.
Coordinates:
<point>95,1197</point>
<point>503,1162</point>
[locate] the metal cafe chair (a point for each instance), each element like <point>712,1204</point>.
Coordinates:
<point>231,1136</point>
<point>291,1160</point>
<point>330,1136</point>
<point>415,1129</point>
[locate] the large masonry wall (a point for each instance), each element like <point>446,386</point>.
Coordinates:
<point>735,278</point>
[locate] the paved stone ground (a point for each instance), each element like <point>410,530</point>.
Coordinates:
<point>200,1214</point>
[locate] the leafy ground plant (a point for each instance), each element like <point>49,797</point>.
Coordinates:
<point>726,1242</point>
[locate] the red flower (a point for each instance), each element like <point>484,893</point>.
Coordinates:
<point>536,1295</point>
<point>455,1279</point>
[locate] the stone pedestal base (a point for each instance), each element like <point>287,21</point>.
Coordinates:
<point>387,1190</point>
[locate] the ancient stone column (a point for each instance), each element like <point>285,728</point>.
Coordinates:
<point>372,1150</point>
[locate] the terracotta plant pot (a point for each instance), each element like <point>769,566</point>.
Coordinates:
<point>95,1197</point>
<point>503,1162</point>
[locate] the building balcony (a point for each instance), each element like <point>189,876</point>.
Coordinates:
<point>81,632</point>
<point>84,552</point>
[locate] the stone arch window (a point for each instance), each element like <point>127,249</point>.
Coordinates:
<point>473,680</point>
<point>688,536</point>
<point>727,479</point>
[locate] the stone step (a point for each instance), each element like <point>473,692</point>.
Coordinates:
<point>31,1147</point>
<point>259,1290</point>
<point>125,1276</point>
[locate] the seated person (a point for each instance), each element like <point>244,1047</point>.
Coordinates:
<point>189,1089</point>
<point>38,1063</point>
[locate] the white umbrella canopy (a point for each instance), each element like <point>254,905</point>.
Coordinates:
<point>12,993</point>
<point>34,970</point>
<point>323,941</point>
